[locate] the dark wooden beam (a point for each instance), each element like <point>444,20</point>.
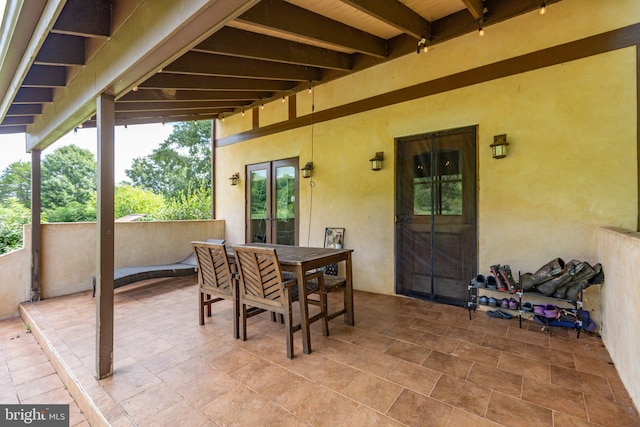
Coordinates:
<point>85,18</point>
<point>395,14</point>
<point>286,17</point>
<point>164,119</point>
<point>5,130</point>
<point>17,120</point>
<point>24,109</point>
<point>190,82</point>
<point>61,49</point>
<point>36,223</point>
<point>159,114</point>
<point>45,76</point>
<point>158,95</point>
<point>245,44</point>
<point>168,105</point>
<point>30,95</point>
<point>199,63</point>
<point>476,8</point>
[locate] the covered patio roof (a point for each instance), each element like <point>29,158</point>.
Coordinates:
<point>167,61</point>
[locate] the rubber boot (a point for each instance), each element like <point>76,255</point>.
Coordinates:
<point>507,277</point>
<point>550,286</point>
<point>586,273</point>
<point>546,272</point>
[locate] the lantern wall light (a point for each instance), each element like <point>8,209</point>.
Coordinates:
<point>499,146</point>
<point>234,178</point>
<point>376,161</point>
<point>306,170</point>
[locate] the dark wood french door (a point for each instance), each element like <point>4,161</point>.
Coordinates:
<point>272,202</point>
<point>436,253</point>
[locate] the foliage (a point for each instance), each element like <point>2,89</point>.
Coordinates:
<point>12,218</point>
<point>72,212</point>
<point>179,165</point>
<point>68,175</point>
<point>15,182</point>
<point>136,200</point>
<point>192,204</point>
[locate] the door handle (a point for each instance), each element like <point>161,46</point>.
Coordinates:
<point>402,219</point>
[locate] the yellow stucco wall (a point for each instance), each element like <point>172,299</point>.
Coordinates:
<point>572,130</point>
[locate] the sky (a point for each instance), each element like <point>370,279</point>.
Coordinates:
<point>135,141</point>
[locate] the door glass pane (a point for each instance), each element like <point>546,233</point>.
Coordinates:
<point>446,184</point>
<point>285,205</point>
<point>258,214</point>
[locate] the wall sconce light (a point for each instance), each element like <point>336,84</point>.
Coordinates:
<point>376,161</point>
<point>499,146</point>
<point>306,170</point>
<point>234,178</point>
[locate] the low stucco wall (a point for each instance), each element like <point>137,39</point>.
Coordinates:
<point>15,279</point>
<point>68,261</point>
<point>619,251</point>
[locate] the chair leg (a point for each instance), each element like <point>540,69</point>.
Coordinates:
<point>288,320</point>
<point>201,308</point>
<point>324,306</point>
<point>243,322</point>
<point>209,306</point>
<point>236,317</point>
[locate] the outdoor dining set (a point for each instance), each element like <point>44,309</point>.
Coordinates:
<point>263,277</point>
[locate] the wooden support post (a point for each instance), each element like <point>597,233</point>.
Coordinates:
<point>105,237</point>
<point>213,168</point>
<point>36,226</point>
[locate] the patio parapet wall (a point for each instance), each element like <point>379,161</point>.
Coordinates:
<point>68,261</point>
<point>619,252</point>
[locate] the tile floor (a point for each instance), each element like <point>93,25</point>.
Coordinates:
<point>406,362</point>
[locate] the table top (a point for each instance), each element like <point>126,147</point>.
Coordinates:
<point>307,256</point>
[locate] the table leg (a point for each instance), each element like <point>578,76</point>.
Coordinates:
<point>348,292</point>
<point>304,310</point>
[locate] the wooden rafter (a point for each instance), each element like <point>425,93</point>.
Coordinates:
<point>395,14</point>
<point>157,95</point>
<point>189,82</point>
<point>476,8</point>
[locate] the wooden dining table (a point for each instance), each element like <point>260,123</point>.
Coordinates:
<point>300,260</point>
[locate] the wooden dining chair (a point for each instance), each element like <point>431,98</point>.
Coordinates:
<point>216,279</point>
<point>262,286</point>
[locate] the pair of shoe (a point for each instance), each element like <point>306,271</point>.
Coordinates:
<point>510,303</point>
<point>527,306</point>
<point>479,281</point>
<point>483,300</point>
<point>492,282</point>
<point>505,278</point>
<point>499,314</point>
<point>548,311</point>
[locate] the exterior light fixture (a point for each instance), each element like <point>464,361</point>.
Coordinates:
<point>376,161</point>
<point>234,178</point>
<point>135,88</point>
<point>422,45</point>
<point>306,170</point>
<point>499,146</point>
<point>480,29</point>
<point>543,7</point>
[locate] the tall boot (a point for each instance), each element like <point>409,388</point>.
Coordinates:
<point>586,273</point>
<point>546,272</point>
<point>574,291</point>
<point>507,277</point>
<point>550,286</point>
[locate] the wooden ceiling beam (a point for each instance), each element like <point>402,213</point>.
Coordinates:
<point>45,76</point>
<point>245,44</point>
<point>24,109</point>
<point>190,82</point>
<point>199,63</point>
<point>476,8</point>
<point>4,130</point>
<point>17,120</point>
<point>288,18</point>
<point>61,49</point>
<point>29,95</point>
<point>395,14</point>
<point>159,95</point>
<point>126,115</point>
<point>85,18</point>
<point>177,105</point>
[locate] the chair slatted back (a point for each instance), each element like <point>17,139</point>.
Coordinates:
<point>260,275</point>
<point>214,270</point>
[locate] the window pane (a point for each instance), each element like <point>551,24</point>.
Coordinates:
<point>258,180</point>
<point>285,204</point>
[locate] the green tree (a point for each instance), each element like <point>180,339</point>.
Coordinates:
<point>15,182</point>
<point>136,200</point>
<point>192,204</point>
<point>12,217</point>
<point>179,165</point>
<point>68,175</point>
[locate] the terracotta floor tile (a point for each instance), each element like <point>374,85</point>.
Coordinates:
<point>496,379</point>
<point>364,416</point>
<point>580,381</point>
<point>426,314</point>
<point>588,364</point>
<point>443,344</point>
<point>373,392</point>
<point>462,394</point>
<point>535,337</point>
<point>331,374</point>
<point>549,355</point>
<point>430,326</point>
<point>129,381</point>
<point>555,397</point>
<point>513,412</point>
<point>460,417</point>
<point>526,367</point>
<point>414,409</point>
<point>409,352</point>
<point>504,344</point>
<point>462,334</point>
<point>374,341</point>
<point>448,364</point>
<point>284,387</point>
<point>373,362</point>
<point>29,373</point>
<point>414,377</point>
<point>561,419</point>
<point>229,408</point>
<point>150,401</point>
<point>403,333</point>
<point>605,412</point>
<point>325,408</point>
<point>477,353</point>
